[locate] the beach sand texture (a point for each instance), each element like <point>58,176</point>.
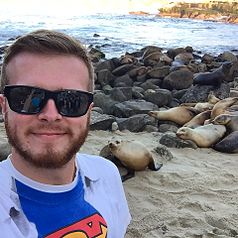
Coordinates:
<point>192,195</point>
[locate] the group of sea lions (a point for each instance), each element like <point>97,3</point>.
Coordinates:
<point>211,124</point>
<point>215,124</point>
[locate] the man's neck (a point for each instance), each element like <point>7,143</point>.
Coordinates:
<point>53,176</point>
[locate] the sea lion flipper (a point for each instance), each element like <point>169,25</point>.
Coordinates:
<point>194,111</point>
<point>130,174</point>
<point>154,166</point>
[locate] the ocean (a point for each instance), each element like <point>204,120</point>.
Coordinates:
<point>115,34</point>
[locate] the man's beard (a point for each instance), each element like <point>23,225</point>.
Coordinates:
<point>49,158</point>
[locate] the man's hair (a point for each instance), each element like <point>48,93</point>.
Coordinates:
<point>47,42</point>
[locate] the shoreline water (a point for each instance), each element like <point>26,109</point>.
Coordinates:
<point>117,34</point>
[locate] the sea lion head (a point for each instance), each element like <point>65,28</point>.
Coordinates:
<point>113,145</point>
<point>226,66</point>
<point>221,119</point>
<point>183,133</point>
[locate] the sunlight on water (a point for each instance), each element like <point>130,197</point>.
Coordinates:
<point>120,33</point>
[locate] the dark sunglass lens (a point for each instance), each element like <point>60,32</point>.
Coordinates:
<point>73,103</point>
<point>25,100</point>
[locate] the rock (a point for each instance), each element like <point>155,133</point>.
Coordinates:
<point>123,81</point>
<point>178,79</point>
<point>199,93</point>
<point>227,56</point>
<point>172,141</point>
<point>150,49</point>
<point>163,128</point>
<point>164,153</point>
<point>173,52</point>
<point>96,55</point>
<point>108,64</point>
<point>133,107</point>
<point>159,72</point>
<point>149,85</point>
<point>138,71</point>
<point>101,121</point>
<point>207,59</point>
<point>184,57</point>
<point>135,123</point>
<point>104,102</point>
<point>5,149</point>
<point>160,97</point>
<point>123,69</point>
<point>121,94</point>
<point>105,77</point>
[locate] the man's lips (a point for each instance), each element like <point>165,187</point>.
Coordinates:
<point>51,134</point>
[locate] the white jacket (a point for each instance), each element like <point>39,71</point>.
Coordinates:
<point>103,190</point>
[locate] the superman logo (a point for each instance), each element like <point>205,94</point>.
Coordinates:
<point>90,227</point>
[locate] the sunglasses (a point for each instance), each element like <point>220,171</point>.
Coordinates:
<point>31,100</point>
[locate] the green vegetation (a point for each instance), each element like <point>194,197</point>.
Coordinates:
<point>212,7</point>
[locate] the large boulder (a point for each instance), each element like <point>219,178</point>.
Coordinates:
<point>133,107</point>
<point>178,79</point>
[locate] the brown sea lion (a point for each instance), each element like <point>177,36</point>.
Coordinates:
<point>229,144</point>
<point>211,98</point>
<point>134,156</point>
<point>222,106</point>
<point>198,120</point>
<point>179,115</point>
<point>204,106</point>
<point>214,78</point>
<point>203,136</point>
<point>228,120</point>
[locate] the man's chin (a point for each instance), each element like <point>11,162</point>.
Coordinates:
<point>47,159</point>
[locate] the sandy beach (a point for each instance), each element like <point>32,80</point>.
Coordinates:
<point>192,195</point>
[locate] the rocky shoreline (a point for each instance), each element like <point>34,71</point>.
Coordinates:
<point>127,88</point>
<point>233,19</point>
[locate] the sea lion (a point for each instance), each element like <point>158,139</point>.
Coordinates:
<point>134,156</point>
<point>203,106</point>
<point>179,115</point>
<point>229,144</point>
<point>222,106</point>
<point>228,120</point>
<point>211,98</point>
<point>215,77</point>
<point>203,136</point>
<point>198,120</point>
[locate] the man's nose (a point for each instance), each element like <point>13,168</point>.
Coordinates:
<point>50,112</point>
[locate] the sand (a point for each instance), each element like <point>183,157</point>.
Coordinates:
<point>195,194</point>
<point>192,195</point>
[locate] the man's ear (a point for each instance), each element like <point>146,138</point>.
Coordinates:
<point>91,106</point>
<point>3,104</point>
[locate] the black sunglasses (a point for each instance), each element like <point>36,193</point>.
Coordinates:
<point>31,100</point>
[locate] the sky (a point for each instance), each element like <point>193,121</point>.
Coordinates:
<point>81,7</point>
<point>62,7</point>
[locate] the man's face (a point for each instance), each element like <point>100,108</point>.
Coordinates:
<point>46,139</point>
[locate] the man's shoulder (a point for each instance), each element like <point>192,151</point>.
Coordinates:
<point>5,178</point>
<point>93,165</point>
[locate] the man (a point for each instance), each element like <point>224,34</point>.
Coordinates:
<point>47,84</point>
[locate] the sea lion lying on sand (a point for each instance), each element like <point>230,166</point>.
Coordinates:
<point>179,115</point>
<point>228,120</point>
<point>203,136</point>
<point>198,120</point>
<point>222,107</point>
<point>133,156</point>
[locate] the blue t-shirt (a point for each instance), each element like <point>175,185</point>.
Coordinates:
<point>61,214</point>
